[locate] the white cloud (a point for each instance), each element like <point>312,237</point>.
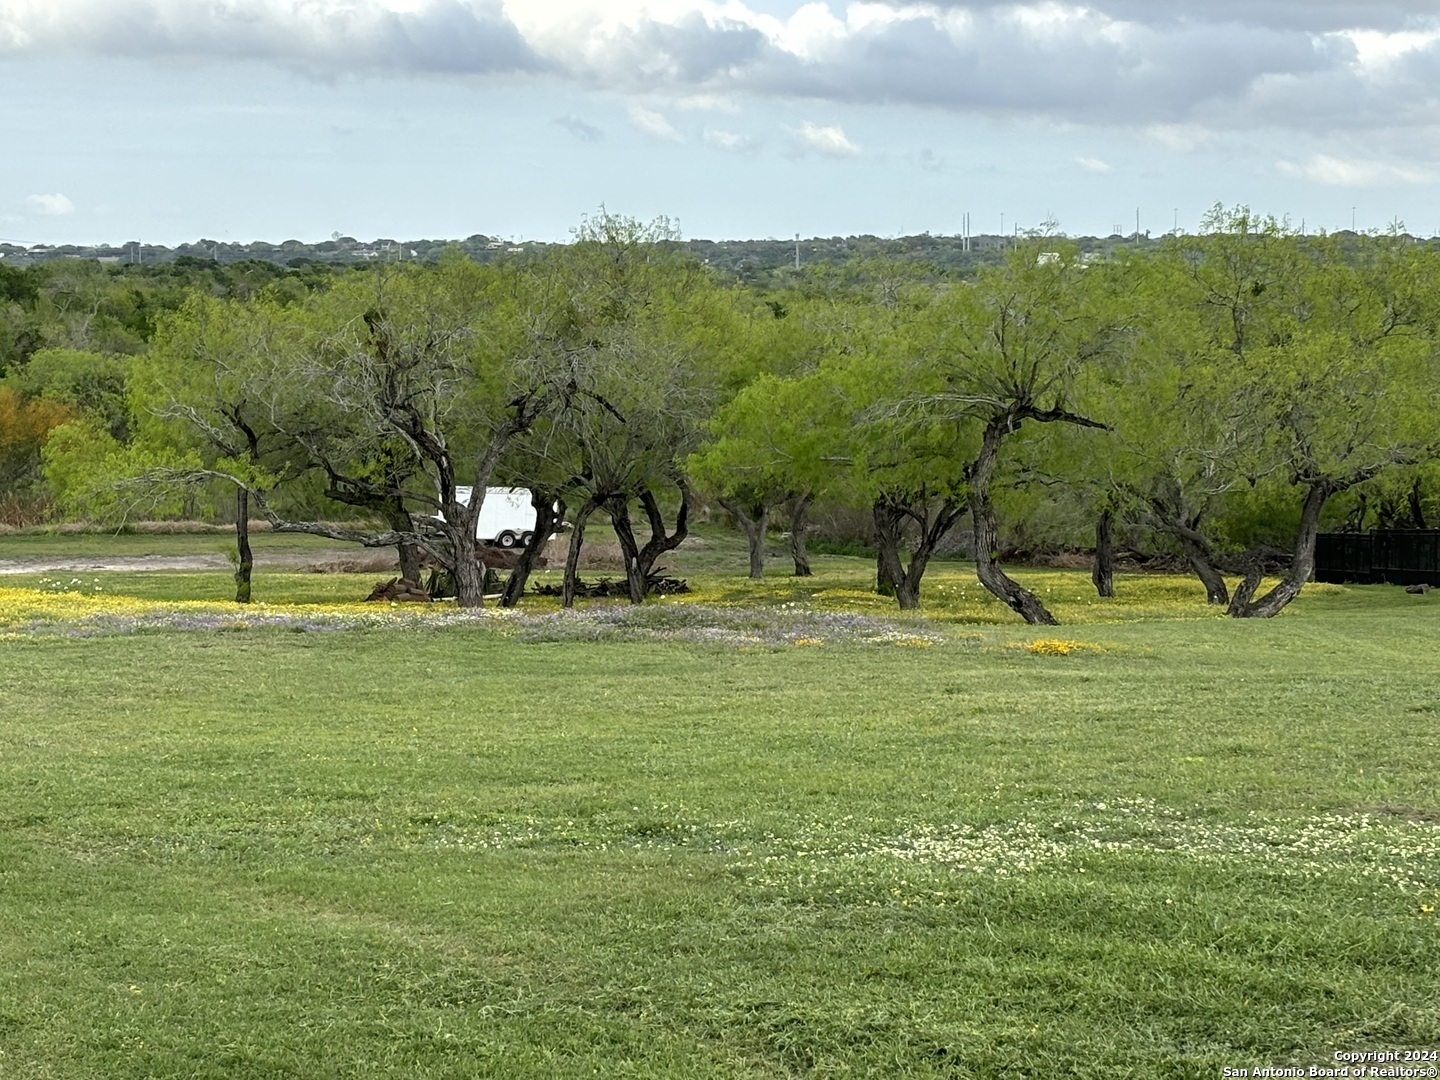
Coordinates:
<point>729,141</point>
<point>1355,172</point>
<point>1377,50</point>
<point>1171,68</point>
<point>1092,164</point>
<point>654,124</point>
<point>830,141</point>
<point>56,205</point>
<point>322,37</point>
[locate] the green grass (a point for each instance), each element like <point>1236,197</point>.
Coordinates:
<point>425,853</point>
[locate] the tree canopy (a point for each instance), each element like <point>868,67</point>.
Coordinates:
<point>1221,395</point>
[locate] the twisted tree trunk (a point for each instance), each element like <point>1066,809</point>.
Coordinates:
<point>244,558</point>
<point>1200,557</point>
<point>572,555</point>
<point>987,545</point>
<point>754,522</point>
<point>640,561</point>
<point>890,515</point>
<point>799,510</point>
<point>1103,572</point>
<point>618,507</point>
<point>549,512</point>
<point>1301,565</point>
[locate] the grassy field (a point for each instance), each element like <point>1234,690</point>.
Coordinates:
<point>777,831</point>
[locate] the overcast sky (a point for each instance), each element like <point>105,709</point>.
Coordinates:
<point>171,120</point>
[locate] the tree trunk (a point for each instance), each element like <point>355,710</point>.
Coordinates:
<point>1249,582</point>
<point>660,540</point>
<point>799,510</point>
<point>890,516</point>
<point>468,571</point>
<point>618,507</point>
<point>411,556</point>
<point>244,559</point>
<point>1301,566</point>
<point>754,524</point>
<point>1170,516</point>
<point>1198,555</point>
<point>549,511</point>
<point>982,473</point>
<point>907,589</point>
<point>1417,510</point>
<point>463,520</point>
<point>572,556</point>
<point>1018,598</point>
<point>1103,572</point>
<point>888,537</point>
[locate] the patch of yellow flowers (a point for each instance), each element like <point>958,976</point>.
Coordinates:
<point>22,607</point>
<point>1054,646</point>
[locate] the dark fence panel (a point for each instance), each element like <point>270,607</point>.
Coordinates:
<point>1411,557</point>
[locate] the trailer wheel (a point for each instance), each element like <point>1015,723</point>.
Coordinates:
<point>506,539</point>
<point>529,536</point>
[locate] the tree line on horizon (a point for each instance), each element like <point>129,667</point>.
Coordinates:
<point>1226,395</point>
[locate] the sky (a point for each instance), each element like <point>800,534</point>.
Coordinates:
<point>173,120</point>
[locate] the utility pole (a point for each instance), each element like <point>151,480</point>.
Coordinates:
<point>797,251</point>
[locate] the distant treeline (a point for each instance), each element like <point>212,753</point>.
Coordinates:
<point>765,261</point>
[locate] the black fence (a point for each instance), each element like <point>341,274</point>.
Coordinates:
<point>1379,558</point>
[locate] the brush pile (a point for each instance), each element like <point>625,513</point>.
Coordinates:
<point>667,586</point>
<point>399,590</point>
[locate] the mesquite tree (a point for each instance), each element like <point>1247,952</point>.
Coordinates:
<point>201,389</point>
<point>432,360</point>
<point>1272,366</point>
<point>1344,384</point>
<point>905,462</point>
<point>643,330</point>
<point>1019,346</point>
<point>770,446</point>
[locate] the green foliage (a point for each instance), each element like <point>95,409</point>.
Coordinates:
<point>93,476</point>
<point>1235,371</point>
<point>642,343</point>
<point>1269,372</point>
<point>91,382</point>
<point>776,438</point>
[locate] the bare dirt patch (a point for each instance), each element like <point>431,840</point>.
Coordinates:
<point>41,564</point>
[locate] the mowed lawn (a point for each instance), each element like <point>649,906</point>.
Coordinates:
<point>1191,843</point>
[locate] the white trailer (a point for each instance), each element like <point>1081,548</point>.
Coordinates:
<point>507,516</point>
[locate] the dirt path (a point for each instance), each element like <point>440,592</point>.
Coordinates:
<point>43,564</point>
